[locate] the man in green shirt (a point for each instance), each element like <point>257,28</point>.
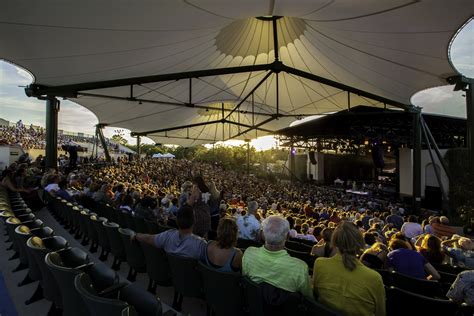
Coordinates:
<point>272,264</point>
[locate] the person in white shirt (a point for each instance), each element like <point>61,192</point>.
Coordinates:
<point>411,228</point>
<point>249,225</point>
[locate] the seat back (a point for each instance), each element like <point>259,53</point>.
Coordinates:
<point>116,245</point>
<point>419,286</point>
<point>130,223</point>
<point>95,304</point>
<point>265,299</point>
<point>314,308</point>
<point>64,275</point>
<point>51,290</point>
<point>186,278</point>
<point>55,243</point>
<point>304,256</point>
<point>223,290</point>
<point>144,302</point>
<point>402,302</point>
<point>157,266</point>
<point>298,246</point>
<point>140,225</point>
<point>387,276</point>
<point>152,227</point>
<point>245,243</point>
<point>101,233</point>
<point>22,233</point>
<point>133,251</point>
<point>42,232</point>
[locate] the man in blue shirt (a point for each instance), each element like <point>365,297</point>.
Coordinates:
<point>181,241</point>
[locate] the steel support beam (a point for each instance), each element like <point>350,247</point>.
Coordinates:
<point>430,151</point>
<point>470,124</point>
<point>249,94</point>
<point>175,128</point>
<point>71,90</point>
<point>52,109</point>
<point>313,77</point>
<point>98,131</point>
<point>416,161</point>
<point>437,151</point>
<point>252,128</point>
<point>138,146</point>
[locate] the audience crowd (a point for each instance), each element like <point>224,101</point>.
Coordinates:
<point>216,211</point>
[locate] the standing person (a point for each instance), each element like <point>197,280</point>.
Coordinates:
<point>249,225</point>
<point>343,282</point>
<point>199,199</point>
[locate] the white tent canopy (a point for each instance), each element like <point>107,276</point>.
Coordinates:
<point>167,155</point>
<point>388,50</point>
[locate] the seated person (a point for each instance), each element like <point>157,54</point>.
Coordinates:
<point>181,241</point>
<point>324,248</point>
<point>272,264</point>
<point>342,282</point>
<point>409,262</point>
<point>462,290</point>
<point>430,247</point>
<point>461,250</point>
<point>221,253</point>
<point>376,256</point>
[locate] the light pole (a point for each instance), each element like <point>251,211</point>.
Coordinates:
<point>248,157</point>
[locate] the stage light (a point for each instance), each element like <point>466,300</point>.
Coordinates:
<point>366,142</point>
<point>293,151</point>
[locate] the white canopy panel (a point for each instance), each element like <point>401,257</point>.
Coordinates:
<point>391,49</point>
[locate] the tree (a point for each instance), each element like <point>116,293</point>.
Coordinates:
<point>118,137</point>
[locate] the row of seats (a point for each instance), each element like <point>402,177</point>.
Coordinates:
<point>225,293</point>
<point>229,293</point>
<point>67,277</point>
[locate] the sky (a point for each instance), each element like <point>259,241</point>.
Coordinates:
<point>15,105</point>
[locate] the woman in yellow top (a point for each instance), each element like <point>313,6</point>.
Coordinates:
<point>343,282</point>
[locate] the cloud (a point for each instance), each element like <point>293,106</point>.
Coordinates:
<point>462,50</point>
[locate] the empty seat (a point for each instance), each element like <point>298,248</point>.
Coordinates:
<point>157,267</point>
<point>65,265</point>
<point>42,232</point>
<point>116,245</point>
<point>186,279</point>
<point>386,276</point>
<point>91,232</point>
<point>245,243</point>
<point>402,302</point>
<point>98,305</point>
<point>140,225</point>
<point>134,254</point>
<point>152,227</point>
<point>104,243</point>
<point>223,291</point>
<point>51,290</point>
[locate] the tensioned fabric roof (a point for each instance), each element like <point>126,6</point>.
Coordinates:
<point>388,49</point>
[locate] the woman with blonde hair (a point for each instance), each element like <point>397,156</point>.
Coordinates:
<point>343,282</point>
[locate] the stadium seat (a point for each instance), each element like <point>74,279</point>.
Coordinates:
<point>186,279</point>
<point>42,232</point>
<point>102,237</point>
<point>419,286</point>
<point>65,265</point>
<point>116,245</point>
<point>157,267</point>
<point>245,243</point>
<point>51,290</point>
<point>402,302</point>
<point>304,256</point>
<point>140,225</point>
<point>447,268</point>
<point>298,246</point>
<point>129,222</point>
<point>91,232</point>
<point>263,299</point>
<point>387,276</point>
<point>223,291</point>
<point>98,305</point>
<point>134,254</point>
<point>314,308</point>
<point>152,227</point>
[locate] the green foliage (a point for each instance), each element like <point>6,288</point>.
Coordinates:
<point>119,139</point>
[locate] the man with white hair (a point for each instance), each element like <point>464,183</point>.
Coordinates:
<point>272,264</point>
<point>249,225</point>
